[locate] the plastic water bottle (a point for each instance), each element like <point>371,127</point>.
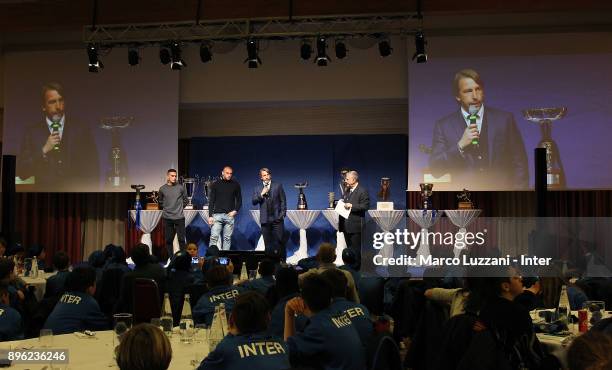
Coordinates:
<point>166,316</point>
<point>243,272</point>
<point>186,324</point>
<point>563,311</point>
<point>34,268</point>
<point>217,330</point>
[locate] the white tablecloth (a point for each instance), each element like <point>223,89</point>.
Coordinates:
<point>261,246</point>
<point>302,219</point>
<point>425,219</point>
<point>461,218</point>
<point>98,353</point>
<point>149,219</point>
<point>334,219</point>
<point>387,221</point>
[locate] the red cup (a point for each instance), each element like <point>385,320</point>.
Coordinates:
<point>583,323</point>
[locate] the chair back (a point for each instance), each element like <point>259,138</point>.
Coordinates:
<point>383,353</point>
<point>145,300</point>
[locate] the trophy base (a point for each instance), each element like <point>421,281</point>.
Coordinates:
<point>152,207</point>
<point>205,207</point>
<point>465,205</point>
<point>188,207</point>
<point>384,206</point>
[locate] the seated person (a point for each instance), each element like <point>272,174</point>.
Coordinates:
<point>330,341</point>
<point>531,297</point>
<point>144,347</point>
<point>326,257</point>
<point>16,289</point>
<point>11,326</point>
<point>179,277</point>
<point>219,281</point>
<point>116,259</point>
<point>55,283</point>
<point>144,268</point>
<point>286,288</point>
<point>590,351</point>
<point>262,284</point>
<point>247,346</point>
<point>77,310</point>
<point>350,264</point>
<point>37,251</point>
<point>357,313</point>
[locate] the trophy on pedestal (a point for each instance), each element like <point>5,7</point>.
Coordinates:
<point>153,201</point>
<point>426,191</point>
<point>117,173</point>
<point>301,203</point>
<point>464,200</point>
<point>190,184</point>
<point>138,188</point>
<point>385,189</point>
<point>331,197</point>
<point>555,175</point>
<point>206,189</point>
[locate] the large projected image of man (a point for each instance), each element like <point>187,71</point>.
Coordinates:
<point>57,150</point>
<point>480,147</point>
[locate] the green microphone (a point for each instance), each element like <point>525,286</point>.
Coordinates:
<point>473,117</point>
<point>55,126</point>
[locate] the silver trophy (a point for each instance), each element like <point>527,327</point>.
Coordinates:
<point>331,197</point>
<point>555,175</point>
<point>117,173</point>
<point>190,185</point>
<point>426,191</point>
<point>206,189</point>
<point>301,204</point>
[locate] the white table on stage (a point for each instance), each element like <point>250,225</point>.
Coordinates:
<point>97,352</point>
<point>302,219</point>
<point>387,221</point>
<point>461,218</point>
<point>149,219</point>
<point>425,219</point>
<point>261,246</point>
<point>333,218</point>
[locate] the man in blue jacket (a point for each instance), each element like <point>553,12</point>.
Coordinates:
<point>56,283</point>
<point>219,280</point>
<point>247,346</point>
<point>270,197</point>
<point>330,341</point>
<point>11,326</point>
<point>77,310</point>
<point>262,284</point>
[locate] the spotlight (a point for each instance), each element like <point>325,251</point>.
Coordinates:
<point>252,54</point>
<point>322,58</point>
<point>305,50</point>
<point>205,54</point>
<point>177,63</point>
<point>384,48</point>
<point>133,57</point>
<point>420,55</point>
<point>340,49</point>
<point>164,55</point>
<point>94,63</point>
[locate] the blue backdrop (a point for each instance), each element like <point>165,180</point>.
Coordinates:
<point>293,159</point>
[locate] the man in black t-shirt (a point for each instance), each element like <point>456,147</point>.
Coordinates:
<point>225,200</point>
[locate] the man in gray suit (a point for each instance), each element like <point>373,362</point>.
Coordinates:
<point>356,199</point>
<point>270,196</point>
<point>481,148</point>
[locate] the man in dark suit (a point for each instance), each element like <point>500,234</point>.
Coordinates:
<point>356,199</point>
<point>58,152</point>
<point>270,197</point>
<point>481,148</point>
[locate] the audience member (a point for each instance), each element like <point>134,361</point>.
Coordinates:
<point>37,251</point>
<point>247,346</point>
<point>116,259</point>
<point>219,281</point>
<point>349,258</point>
<point>11,326</point>
<point>286,288</point>
<point>590,351</point>
<point>77,310</point>
<point>144,347</point>
<point>263,283</point>
<point>179,277</point>
<point>330,341</point>
<point>55,283</point>
<point>531,297</point>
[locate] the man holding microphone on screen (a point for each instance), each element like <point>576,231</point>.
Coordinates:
<point>480,147</point>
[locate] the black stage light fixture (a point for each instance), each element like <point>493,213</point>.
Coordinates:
<point>177,63</point>
<point>164,55</point>
<point>420,55</point>
<point>133,56</point>
<point>94,63</point>
<point>322,58</point>
<point>205,53</point>
<point>384,48</point>
<point>252,54</point>
<point>305,50</point>
<point>340,49</point>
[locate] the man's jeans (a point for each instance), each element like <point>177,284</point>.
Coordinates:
<point>222,222</point>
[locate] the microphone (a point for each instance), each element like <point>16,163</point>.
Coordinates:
<point>472,117</point>
<point>55,125</point>
<point>267,185</point>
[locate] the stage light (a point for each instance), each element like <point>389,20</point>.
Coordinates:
<point>340,49</point>
<point>384,48</point>
<point>94,63</point>
<point>252,54</point>
<point>420,55</point>
<point>164,55</point>
<point>305,50</point>
<point>177,63</point>
<point>322,58</point>
<point>133,57</point>
<point>205,53</point>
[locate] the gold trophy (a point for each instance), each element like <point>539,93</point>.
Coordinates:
<point>426,191</point>
<point>464,200</point>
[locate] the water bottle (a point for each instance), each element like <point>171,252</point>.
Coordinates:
<point>216,329</point>
<point>34,268</point>
<point>243,272</point>
<point>186,324</point>
<point>166,316</point>
<point>563,311</point>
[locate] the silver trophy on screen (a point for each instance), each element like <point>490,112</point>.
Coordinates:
<point>116,175</point>
<point>301,203</point>
<point>555,175</point>
<point>426,191</point>
<point>190,184</point>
